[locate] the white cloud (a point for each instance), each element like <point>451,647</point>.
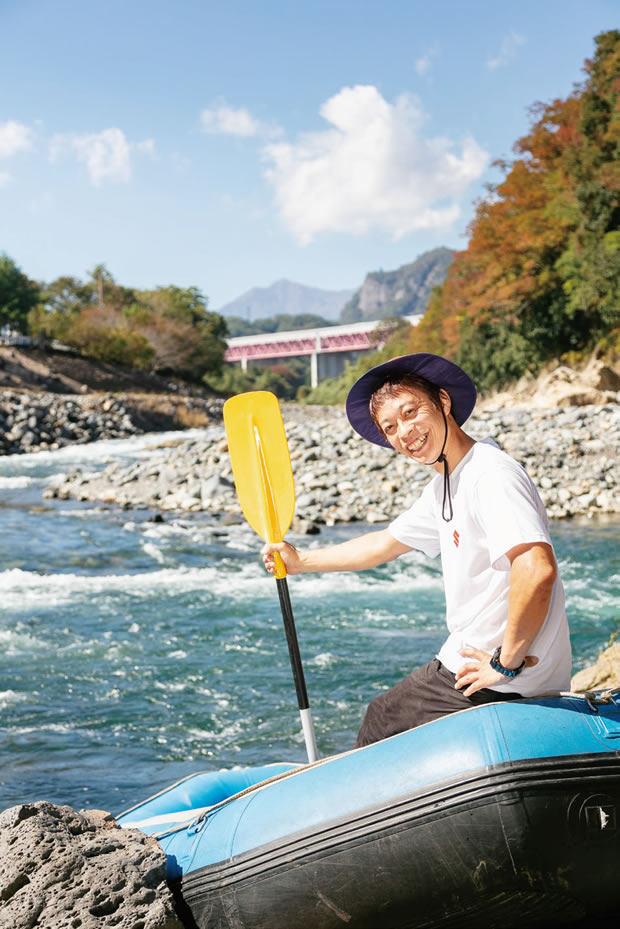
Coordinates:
<point>146,147</point>
<point>372,168</point>
<point>424,62</point>
<point>508,50</point>
<point>14,137</point>
<point>5,178</point>
<point>224,120</point>
<point>106,154</point>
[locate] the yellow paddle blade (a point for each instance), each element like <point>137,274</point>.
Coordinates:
<point>261,462</point>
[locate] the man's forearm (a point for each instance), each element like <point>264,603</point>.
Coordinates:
<point>532,577</point>
<point>358,554</point>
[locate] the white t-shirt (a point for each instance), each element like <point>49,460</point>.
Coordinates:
<point>496,507</point>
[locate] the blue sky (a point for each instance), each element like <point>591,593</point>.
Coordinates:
<point>227,145</point>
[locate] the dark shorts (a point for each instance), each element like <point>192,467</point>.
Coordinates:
<point>425,695</point>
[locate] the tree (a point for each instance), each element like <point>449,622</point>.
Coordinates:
<point>168,330</point>
<point>67,295</point>
<point>187,339</point>
<point>283,322</point>
<point>98,332</point>
<point>60,303</point>
<point>18,295</point>
<point>591,264</point>
<point>541,273</point>
<point>107,290</point>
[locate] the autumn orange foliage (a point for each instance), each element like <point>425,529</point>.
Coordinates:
<point>541,272</point>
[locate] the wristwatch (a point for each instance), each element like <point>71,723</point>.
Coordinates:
<point>498,666</point>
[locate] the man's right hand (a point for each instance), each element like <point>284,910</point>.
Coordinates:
<point>289,555</point>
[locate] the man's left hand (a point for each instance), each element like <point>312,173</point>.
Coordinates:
<point>477,673</point>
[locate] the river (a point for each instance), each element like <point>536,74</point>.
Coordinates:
<point>134,651</point>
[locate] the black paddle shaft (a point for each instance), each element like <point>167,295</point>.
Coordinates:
<point>293,644</point>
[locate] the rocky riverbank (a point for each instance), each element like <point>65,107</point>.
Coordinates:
<point>571,453</point>
<point>32,421</point>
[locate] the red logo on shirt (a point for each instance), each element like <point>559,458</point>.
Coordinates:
<point>456,538</point>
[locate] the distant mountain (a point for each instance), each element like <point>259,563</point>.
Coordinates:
<point>403,292</point>
<point>287,298</point>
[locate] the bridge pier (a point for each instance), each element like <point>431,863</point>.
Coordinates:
<point>314,369</point>
<point>329,364</point>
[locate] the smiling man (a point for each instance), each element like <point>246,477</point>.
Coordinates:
<point>508,633</point>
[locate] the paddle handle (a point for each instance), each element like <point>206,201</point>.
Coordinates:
<point>298,671</point>
<point>279,571</point>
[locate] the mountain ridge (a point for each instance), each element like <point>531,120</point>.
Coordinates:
<point>404,291</point>
<point>285,297</point>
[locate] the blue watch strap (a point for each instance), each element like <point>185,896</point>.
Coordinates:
<point>497,665</point>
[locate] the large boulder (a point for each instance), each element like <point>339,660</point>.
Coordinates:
<point>596,384</point>
<point>604,675</point>
<point>60,869</point>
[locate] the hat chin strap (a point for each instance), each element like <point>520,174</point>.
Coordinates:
<point>447,496</point>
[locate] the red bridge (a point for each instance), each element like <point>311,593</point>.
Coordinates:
<point>338,343</point>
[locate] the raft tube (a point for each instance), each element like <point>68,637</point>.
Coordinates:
<point>506,814</point>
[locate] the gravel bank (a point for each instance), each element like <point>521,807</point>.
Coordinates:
<point>32,421</point>
<point>571,453</point>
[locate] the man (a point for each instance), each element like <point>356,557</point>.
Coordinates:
<point>508,634</point>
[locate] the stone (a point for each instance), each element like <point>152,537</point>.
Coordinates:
<point>604,675</point>
<point>304,526</point>
<point>213,485</point>
<point>306,500</point>
<point>372,516</point>
<point>63,869</point>
<point>602,376</point>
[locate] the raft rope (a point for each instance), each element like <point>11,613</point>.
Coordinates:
<point>593,697</point>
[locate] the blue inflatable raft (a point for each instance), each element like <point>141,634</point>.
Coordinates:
<point>503,815</point>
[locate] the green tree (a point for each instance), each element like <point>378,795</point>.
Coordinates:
<point>168,330</point>
<point>284,379</point>
<point>98,332</point>
<point>188,340</point>
<point>18,295</point>
<point>107,291</point>
<point>67,295</point>
<point>591,264</point>
<point>281,323</point>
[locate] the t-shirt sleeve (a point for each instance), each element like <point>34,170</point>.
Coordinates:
<point>417,526</point>
<point>510,512</point>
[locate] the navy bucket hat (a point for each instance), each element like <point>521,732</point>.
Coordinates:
<point>433,368</point>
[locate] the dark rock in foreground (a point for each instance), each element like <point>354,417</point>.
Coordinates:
<point>60,869</point>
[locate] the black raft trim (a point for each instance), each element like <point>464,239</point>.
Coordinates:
<point>599,770</point>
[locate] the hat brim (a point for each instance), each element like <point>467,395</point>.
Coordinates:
<point>433,368</point>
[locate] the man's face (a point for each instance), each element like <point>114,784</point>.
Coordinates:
<point>413,425</point>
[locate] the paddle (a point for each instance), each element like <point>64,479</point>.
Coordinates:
<point>264,480</point>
